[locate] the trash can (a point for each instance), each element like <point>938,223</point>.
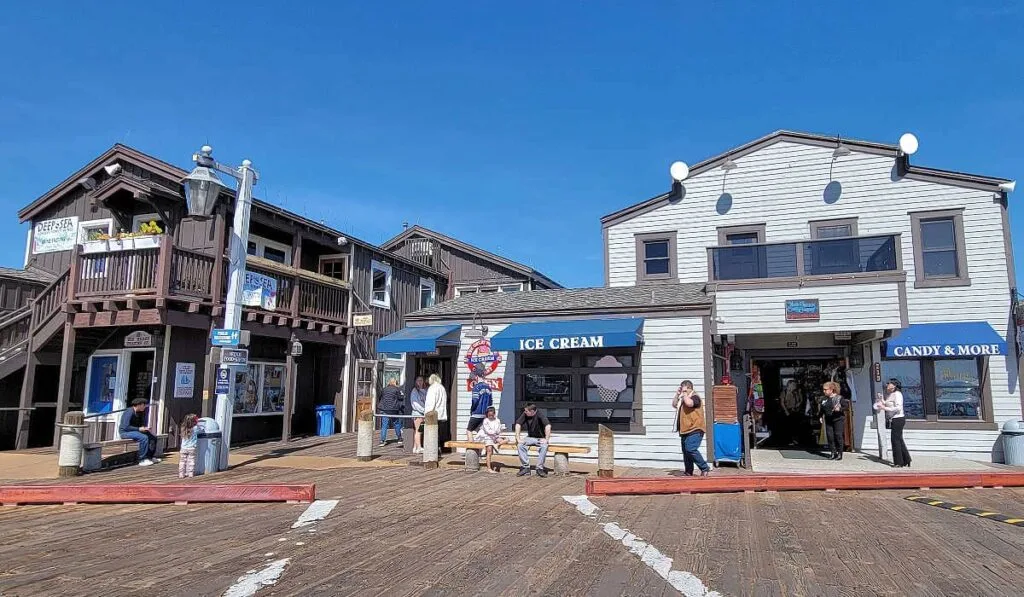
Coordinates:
<point>325,420</point>
<point>207,446</point>
<point>1013,443</point>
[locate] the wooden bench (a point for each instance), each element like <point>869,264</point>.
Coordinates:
<point>92,453</point>
<point>560,453</point>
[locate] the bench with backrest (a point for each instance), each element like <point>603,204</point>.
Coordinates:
<point>559,452</point>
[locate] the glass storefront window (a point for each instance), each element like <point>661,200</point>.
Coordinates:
<point>260,389</point>
<point>547,391</point>
<point>939,388</point>
<point>909,374</point>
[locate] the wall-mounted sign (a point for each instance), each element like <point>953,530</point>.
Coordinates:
<point>945,350</point>
<point>234,356</point>
<point>362,320</point>
<point>792,344</point>
<point>561,343</point>
<point>495,385</point>
<point>225,337</point>
<point>480,359</point>
<point>138,339</point>
<point>878,372</point>
<point>59,234</point>
<point>842,336</point>
<point>223,385</point>
<point>802,310</point>
<point>259,290</point>
<point>184,380</point>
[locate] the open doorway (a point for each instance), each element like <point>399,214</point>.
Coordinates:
<point>443,367</point>
<point>792,394</point>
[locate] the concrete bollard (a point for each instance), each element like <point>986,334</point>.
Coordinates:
<point>69,459</point>
<point>605,452</point>
<point>430,437</point>
<point>472,459</point>
<point>364,436</point>
<point>561,463</point>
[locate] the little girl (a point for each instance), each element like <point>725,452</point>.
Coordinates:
<point>490,434</point>
<point>189,439</point>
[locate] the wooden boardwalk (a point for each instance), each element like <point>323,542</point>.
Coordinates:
<point>402,530</point>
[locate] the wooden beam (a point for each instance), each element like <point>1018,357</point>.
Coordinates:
<point>67,361</point>
<point>111,306</point>
<point>85,493</point>
<point>89,307</point>
<point>282,320</point>
<point>250,316</point>
<point>193,307</point>
<point>339,329</point>
<point>217,310</point>
<point>325,327</point>
<point>268,319</point>
<point>161,303</point>
<point>28,383</point>
<point>132,305</point>
<point>311,325</point>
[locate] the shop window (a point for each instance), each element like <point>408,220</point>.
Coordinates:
<point>260,389</point>
<point>941,389</point>
<point>656,257</point>
<point>580,390</point>
<point>380,292</point>
<point>940,257</point>
<point>428,293</point>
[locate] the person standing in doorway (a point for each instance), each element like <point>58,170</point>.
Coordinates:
<point>134,425</point>
<point>437,401</point>
<point>418,398</point>
<point>833,417</point>
<point>538,433</point>
<point>792,408</point>
<point>691,425</point>
<point>390,404</point>
<point>896,419</point>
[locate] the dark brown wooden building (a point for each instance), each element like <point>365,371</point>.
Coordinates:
<point>122,289</point>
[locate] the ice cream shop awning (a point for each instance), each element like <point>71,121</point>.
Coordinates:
<point>960,339</point>
<point>569,334</point>
<point>424,338</point>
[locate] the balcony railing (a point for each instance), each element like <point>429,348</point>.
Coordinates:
<point>851,255</point>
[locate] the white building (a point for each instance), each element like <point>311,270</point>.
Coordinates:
<point>786,256</point>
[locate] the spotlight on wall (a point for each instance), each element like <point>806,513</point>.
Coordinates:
<point>908,144</point>
<point>112,169</point>
<point>679,171</point>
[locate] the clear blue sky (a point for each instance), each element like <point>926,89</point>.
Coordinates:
<point>513,126</point>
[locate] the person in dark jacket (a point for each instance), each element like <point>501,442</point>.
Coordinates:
<point>390,403</point>
<point>134,425</point>
<point>833,415</point>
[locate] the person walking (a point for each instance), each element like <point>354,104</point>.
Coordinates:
<point>390,403</point>
<point>896,419</point>
<point>833,417</point>
<point>418,397</point>
<point>691,425</point>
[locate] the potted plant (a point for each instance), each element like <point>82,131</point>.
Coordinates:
<point>148,235</point>
<point>96,242</point>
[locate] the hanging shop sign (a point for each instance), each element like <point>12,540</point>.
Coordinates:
<point>50,236</point>
<point>138,339</point>
<point>259,290</point>
<point>802,310</point>
<point>184,380</point>
<point>481,360</point>
<point>362,320</point>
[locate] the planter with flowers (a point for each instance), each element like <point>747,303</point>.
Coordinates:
<point>148,237</point>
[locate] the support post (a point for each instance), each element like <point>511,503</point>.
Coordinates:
<point>289,397</point>
<point>69,459</point>
<point>67,360</point>
<point>163,264</point>
<point>605,452</point>
<point>431,450</point>
<point>364,437</point>
<point>28,383</point>
<point>472,460</point>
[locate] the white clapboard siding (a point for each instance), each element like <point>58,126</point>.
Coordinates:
<point>850,307</point>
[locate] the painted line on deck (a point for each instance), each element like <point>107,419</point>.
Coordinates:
<point>686,583</point>
<point>248,584</point>
<point>316,511</point>
<point>1017,521</point>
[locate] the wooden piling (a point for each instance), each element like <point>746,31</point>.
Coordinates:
<point>431,449</point>
<point>605,452</point>
<point>69,459</point>
<point>364,436</point>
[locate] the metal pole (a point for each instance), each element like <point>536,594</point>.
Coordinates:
<point>236,278</point>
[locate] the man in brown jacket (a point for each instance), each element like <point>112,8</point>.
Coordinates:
<point>691,426</point>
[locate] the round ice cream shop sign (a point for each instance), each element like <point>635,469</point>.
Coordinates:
<point>480,359</point>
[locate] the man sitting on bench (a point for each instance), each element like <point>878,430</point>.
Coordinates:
<point>134,421</point>
<point>538,433</point>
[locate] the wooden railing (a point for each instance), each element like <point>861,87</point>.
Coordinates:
<point>14,329</point>
<point>47,303</point>
<point>191,274</point>
<point>285,284</point>
<point>117,273</point>
<point>320,301</point>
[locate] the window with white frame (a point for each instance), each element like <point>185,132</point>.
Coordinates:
<point>428,293</point>
<point>140,219</point>
<point>380,286</point>
<point>90,230</point>
<point>269,249</point>
<point>260,389</point>
<point>488,289</point>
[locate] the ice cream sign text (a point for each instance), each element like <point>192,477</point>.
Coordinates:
<point>561,343</point>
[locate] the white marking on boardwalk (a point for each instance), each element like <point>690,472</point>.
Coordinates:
<point>248,584</point>
<point>316,511</point>
<point>686,583</point>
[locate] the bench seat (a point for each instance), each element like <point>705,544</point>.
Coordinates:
<point>559,452</point>
<point>92,453</point>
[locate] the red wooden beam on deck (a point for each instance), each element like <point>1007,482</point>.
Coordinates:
<point>801,482</point>
<point>129,493</point>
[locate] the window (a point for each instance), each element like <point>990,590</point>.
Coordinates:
<point>380,290</point>
<point>941,389</point>
<point>838,256</point>
<point>268,249</point>
<point>940,258</point>
<point>260,389</point>
<point>94,265</point>
<point>744,258</point>
<point>334,266</point>
<point>580,390</point>
<point>139,220</point>
<point>92,229</point>
<point>656,257</point>
<point>365,371</point>
<point>467,290</point>
<point>461,290</point>
<point>428,293</point>
<point>825,229</point>
<point>510,288</point>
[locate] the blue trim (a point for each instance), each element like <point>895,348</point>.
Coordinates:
<point>961,339</point>
<point>425,338</point>
<point>569,334</point>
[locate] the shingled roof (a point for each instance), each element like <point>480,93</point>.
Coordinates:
<point>574,301</point>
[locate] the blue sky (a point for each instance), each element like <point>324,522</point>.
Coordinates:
<point>513,126</point>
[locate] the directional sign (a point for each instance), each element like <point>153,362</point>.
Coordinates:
<point>234,356</point>
<point>223,385</point>
<point>226,337</point>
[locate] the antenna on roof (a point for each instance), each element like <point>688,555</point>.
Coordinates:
<point>405,225</point>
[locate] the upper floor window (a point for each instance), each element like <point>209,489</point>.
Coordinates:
<point>940,257</point>
<point>825,229</point>
<point>838,252</point>
<point>656,257</point>
<point>334,266</point>
<point>739,261</point>
<point>268,249</point>
<point>150,219</point>
<point>428,293</point>
<point>380,290</point>
<point>461,290</point>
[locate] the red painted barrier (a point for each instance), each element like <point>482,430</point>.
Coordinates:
<point>153,493</point>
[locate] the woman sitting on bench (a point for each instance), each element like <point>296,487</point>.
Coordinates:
<point>489,433</point>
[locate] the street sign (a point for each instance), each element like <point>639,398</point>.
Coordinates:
<point>223,380</point>
<point>226,337</point>
<point>234,356</point>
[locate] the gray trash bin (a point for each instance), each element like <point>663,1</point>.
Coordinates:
<point>1013,443</point>
<point>208,446</point>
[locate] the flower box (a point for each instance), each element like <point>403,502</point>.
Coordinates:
<point>121,244</point>
<point>94,246</point>
<point>148,241</point>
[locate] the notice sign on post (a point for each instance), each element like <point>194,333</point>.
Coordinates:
<point>184,380</point>
<point>234,356</point>
<point>50,236</point>
<point>223,385</point>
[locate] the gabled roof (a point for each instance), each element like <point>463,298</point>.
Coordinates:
<point>985,183</point>
<point>417,230</point>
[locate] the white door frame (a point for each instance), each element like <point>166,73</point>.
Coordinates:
<point>121,390</point>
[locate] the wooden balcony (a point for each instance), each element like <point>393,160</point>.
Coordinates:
<point>167,273</point>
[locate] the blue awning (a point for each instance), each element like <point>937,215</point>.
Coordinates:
<point>946,340</point>
<point>425,338</point>
<point>569,334</point>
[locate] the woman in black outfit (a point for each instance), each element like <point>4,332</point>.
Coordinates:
<point>833,414</point>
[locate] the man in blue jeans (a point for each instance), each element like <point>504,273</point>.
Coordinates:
<point>135,426</point>
<point>538,433</point>
<point>390,403</point>
<point>691,426</point>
